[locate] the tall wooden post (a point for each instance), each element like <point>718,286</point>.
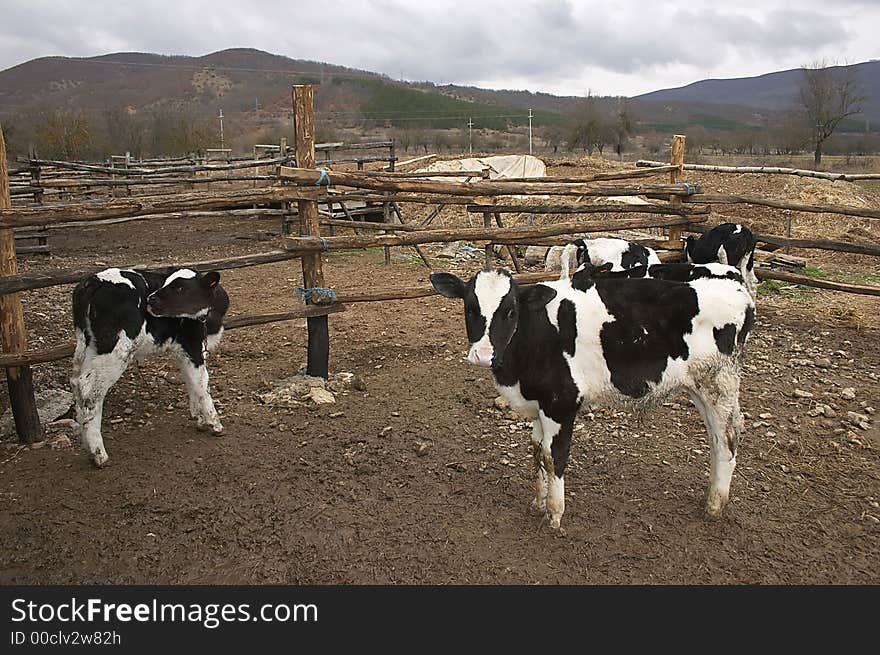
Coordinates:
<point>318,363</point>
<point>35,176</point>
<point>676,159</point>
<point>12,332</point>
<point>386,218</point>
<point>487,222</point>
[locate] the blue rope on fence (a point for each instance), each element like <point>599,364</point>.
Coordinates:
<point>689,189</point>
<point>323,177</point>
<point>317,236</point>
<point>320,294</point>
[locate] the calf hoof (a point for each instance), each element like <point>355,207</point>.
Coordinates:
<point>213,428</point>
<point>210,426</point>
<point>715,506</point>
<point>99,459</point>
<point>555,522</point>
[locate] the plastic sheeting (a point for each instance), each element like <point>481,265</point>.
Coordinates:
<point>501,166</point>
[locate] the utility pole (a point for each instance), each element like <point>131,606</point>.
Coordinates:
<point>530,131</point>
<point>470,136</point>
<point>221,127</point>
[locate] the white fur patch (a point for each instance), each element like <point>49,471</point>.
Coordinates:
<point>518,403</point>
<point>183,273</point>
<point>114,276</point>
<point>491,287</point>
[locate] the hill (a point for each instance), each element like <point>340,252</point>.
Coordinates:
<point>121,93</point>
<point>773,92</point>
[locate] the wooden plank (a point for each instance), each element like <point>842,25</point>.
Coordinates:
<point>44,249</point>
<point>729,199</point>
<point>13,336</point>
<point>803,280</point>
<point>91,168</point>
<point>408,293</point>
<point>178,202</point>
<point>65,350</point>
<point>773,170</point>
<point>39,280</point>
<point>495,235</point>
<point>590,208</point>
<point>306,176</point>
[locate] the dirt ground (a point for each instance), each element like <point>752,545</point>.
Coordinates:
<point>416,477</point>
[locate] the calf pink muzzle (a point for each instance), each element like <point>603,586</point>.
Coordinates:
<point>481,354</point>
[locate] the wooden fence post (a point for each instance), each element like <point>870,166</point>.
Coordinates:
<point>676,159</point>
<point>35,176</point>
<point>487,222</point>
<point>12,332</point>
<point>318,363</point>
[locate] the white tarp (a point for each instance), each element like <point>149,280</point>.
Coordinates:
<point>501,166</point>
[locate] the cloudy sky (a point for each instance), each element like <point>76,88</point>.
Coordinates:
<point>566,47</point>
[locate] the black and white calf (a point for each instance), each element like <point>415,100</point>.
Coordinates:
<point>619,253</point>
<point>121,315</point>
<point>554,346</point>
<point>728,243</point>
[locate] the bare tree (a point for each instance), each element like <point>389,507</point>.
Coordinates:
<point>624,127</point>
<point>828,95</point>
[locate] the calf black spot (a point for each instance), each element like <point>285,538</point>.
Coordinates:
<point>566,318</point>
<point>748,324</point>
<point>724,338</point>
<point>651,318</point>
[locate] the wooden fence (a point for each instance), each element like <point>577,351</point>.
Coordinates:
<point>306,186</point>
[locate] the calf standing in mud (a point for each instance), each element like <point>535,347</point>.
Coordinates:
<point>121,315</point>
<point>554,346</point>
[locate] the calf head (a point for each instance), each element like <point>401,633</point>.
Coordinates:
<point>185,294</point>
<point>492,305</point>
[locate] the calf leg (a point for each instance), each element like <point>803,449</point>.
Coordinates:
<point>92,377</point>
<point>717,400</point>
<point>201,406</point>
<point>555,447</point>
<point>540,501</point>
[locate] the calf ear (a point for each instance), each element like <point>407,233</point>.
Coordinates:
<point>536,295</point>
<point>448,285</point>
<point>604,268</point>
<point>211,279</point>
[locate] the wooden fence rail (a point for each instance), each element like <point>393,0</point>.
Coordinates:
<point>311,177</point>
<point>56,353</point>
<point>92,168</point>
<point>312,244</point>
<point>40,280</point>
<point>773,170</point>
<point>727,199</point>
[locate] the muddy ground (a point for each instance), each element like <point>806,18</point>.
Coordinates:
<point>330,494</point>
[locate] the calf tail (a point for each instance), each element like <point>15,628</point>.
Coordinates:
<point>569,254</point>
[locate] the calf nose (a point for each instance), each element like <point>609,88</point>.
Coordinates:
<point>480,355</point>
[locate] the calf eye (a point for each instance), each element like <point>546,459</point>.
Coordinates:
<point>510,313</point>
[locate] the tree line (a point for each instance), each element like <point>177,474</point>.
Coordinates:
<point>73,134</point>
